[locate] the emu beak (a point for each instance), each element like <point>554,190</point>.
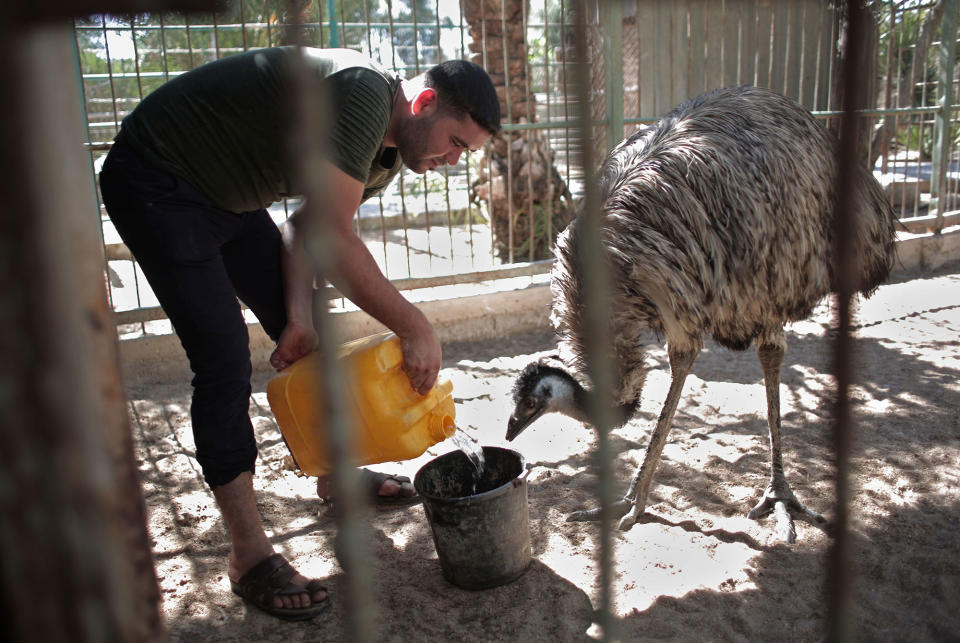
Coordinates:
<point>517,423</point>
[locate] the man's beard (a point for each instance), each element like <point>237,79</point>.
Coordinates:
<point>412,144</point>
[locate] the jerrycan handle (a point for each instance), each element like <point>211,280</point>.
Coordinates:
<point>389,353</point>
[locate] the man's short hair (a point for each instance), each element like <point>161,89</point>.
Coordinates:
<point>465,88</point>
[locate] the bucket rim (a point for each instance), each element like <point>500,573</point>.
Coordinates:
<point>491,493</point>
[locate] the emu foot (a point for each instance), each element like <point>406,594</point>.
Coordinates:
<point>779,499</point>
<point>619,509</point>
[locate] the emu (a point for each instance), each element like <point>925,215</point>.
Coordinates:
<point>716,220</point>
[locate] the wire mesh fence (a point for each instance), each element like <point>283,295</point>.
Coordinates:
<point>503,206</point>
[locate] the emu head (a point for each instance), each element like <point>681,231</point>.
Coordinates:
<point>543,387</point>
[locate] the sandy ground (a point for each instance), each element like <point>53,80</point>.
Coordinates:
<point>695,568</point>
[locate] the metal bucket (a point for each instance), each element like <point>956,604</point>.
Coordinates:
<point>481,529</point>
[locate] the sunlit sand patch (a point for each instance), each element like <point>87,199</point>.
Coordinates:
<point>668,561</point>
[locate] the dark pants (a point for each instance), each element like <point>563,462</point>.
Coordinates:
<point>199,259</point>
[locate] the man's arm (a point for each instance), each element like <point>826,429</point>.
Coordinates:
<point>357,275</point>
<point>298,337</point>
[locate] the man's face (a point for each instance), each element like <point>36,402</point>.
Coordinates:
<point>429,140</point>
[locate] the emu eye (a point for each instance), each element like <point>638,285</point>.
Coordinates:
<point>529,403</point>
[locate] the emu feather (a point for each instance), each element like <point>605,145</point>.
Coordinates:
<point>717,220</point>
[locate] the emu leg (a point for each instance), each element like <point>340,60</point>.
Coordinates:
<point>631,506</point>
<point>778,497</point>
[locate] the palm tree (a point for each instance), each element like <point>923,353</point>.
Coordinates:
<point>520,163</point>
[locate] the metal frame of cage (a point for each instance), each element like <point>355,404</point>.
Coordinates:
<point>61,321</point>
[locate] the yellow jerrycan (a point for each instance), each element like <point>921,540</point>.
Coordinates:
<point>388,419</point>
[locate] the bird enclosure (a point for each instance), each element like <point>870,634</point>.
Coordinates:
<point>574,79</point>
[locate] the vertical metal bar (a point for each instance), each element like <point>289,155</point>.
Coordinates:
<point>756,45</point>
<point>403,199</point>
<point>816,80</point>
<point>680,49</point>
<point>186,26</point>
<point>644,27</point>
<point>613,62</point>
<point>488,147</point>
<point>416,41</point>
<point>896,119</point>
<point>565,71</point>
<point>163,48</point>
<point>136,56</point>
<point>343,25</point>
<point>82,93</point>
<point>705,53</point>
<point>366,17</point>
<point>941,146</point>
<point>925,86</point>
<point>686,48</point>
<point>596,307</point>
<point>771,53</point>
<point>463,50</point>
<point>446,170</point>
<point>788,35</point>
<point>116,122</point>
<point>334,28</point>
<point>723,43</point>
<point>834,37</point>
<point>507,135</point>
<point>320,24</point>
<point>423,177</point>
<point>740,45</point>
<point>803,57</point>
<point>892,32</point>
<point>216,35</point>
<point>353,534</point>
<point>243,23</point>
<point>546,136</point>
<point>528,136</point>
<point>383,227</point>
<point>846,267</point>
<point>269,17</point>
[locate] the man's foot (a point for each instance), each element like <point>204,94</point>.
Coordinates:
<point>381,488</point>
<point>275,587</point>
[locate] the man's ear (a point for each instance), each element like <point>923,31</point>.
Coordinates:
<point>426,98</point>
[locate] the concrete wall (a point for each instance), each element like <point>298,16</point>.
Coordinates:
<point>160,357</point>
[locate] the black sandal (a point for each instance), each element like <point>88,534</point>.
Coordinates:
<point>370,483</point>
<point>271,578</point>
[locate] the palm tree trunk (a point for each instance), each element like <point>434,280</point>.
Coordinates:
<point>527,199</point>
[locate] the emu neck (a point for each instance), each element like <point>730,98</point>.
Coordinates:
<point>572,400</point>
<point>566,396</point>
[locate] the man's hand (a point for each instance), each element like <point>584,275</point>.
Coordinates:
<point>421,359</point>
<point>295,341</point>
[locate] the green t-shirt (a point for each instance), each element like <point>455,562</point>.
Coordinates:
<point>224,128</point>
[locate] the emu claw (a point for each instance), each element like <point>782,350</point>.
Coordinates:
<point>783,505</point>
<point>617,509</point>
<point>630,519</point>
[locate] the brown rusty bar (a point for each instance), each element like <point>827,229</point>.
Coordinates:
<point>840,621</point>
<point>596,306</point>
<point>353,533</point>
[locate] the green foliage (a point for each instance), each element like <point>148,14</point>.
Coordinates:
<point>426,183</point>
<point>921,139</point>
<point>899,40</point>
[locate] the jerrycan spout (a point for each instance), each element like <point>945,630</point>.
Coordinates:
<point>442,427</point>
